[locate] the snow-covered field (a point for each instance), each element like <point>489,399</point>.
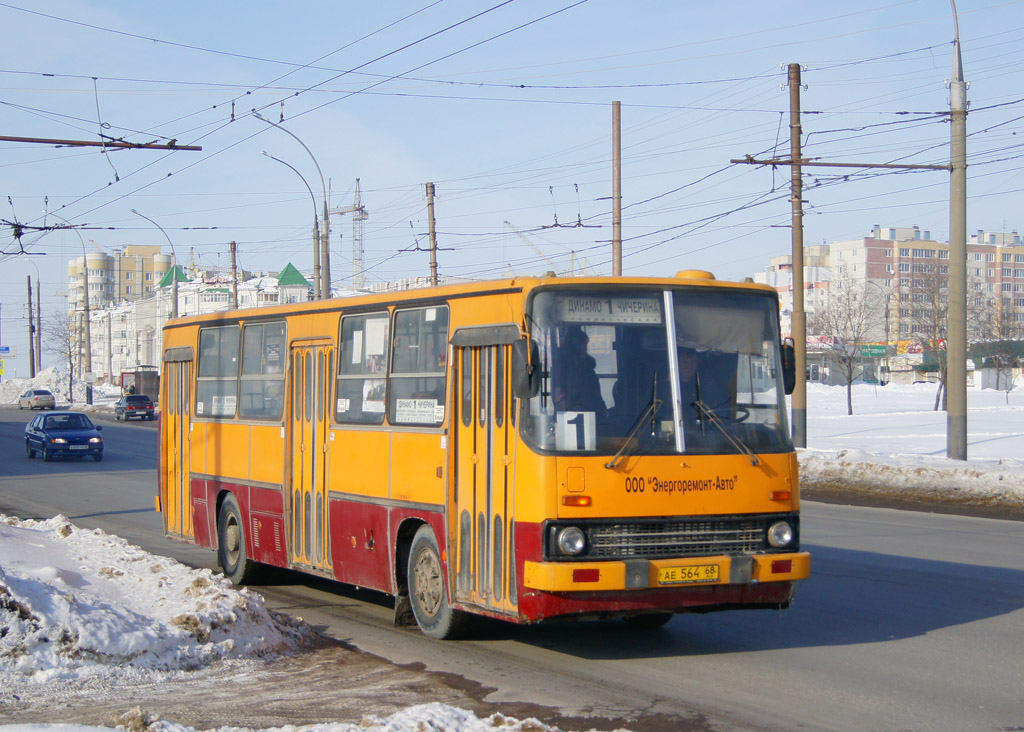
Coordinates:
<point>82,608</point>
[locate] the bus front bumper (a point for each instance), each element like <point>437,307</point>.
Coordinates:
<point>668,574</point>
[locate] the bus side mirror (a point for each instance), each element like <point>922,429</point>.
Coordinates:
<point>787,355</point>
<point>525,374</point>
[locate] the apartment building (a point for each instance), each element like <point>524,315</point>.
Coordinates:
<point>127,274</point>
<point>903,272</point>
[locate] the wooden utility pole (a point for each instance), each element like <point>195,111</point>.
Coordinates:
<point>799,323</point>
<point>234,277</point>
<point>31,327</point>
<point>433,234</point>
<point>616,189</point>
<point>799,318</point>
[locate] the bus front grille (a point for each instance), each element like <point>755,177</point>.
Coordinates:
<point>654,540</point>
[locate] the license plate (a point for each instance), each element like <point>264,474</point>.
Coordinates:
<point>682,575</point>
<point>79,447</point>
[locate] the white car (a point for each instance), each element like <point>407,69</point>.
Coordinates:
<point>37,399</point>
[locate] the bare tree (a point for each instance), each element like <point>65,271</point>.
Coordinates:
<point>928,302</point>
<point>849,314</point>
<point>1001,342</point>
<point>61,337</point>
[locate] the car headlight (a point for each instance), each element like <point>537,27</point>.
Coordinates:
<point>59,440</point>
<point>780,534</point>
<point>571,541</point>
<point>94,440</point>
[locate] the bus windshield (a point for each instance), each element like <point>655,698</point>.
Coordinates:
<point>610,381</point>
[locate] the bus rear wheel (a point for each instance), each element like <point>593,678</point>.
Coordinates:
<point>427,592</point>
<point>231,543</point>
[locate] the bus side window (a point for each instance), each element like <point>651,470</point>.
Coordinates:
<point>416,393</point>
<point>362,369</point>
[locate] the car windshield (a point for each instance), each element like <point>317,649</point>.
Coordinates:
<point>67,422</point>
<point>610,380</point>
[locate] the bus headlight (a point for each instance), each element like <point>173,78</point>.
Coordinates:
<point>571,541</point>
<point>780,534</point>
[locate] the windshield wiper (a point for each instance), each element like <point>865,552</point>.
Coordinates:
<point>652,409</point>
<point>714,419</point>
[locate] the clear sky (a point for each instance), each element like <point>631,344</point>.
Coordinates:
<point>506,106</point>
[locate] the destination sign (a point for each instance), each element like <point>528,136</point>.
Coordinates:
<point>591,309</point>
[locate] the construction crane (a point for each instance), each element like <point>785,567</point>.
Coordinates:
<point>359,215</point>
<point>532,246</point>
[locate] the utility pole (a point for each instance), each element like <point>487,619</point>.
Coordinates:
<point>325,254</point>
<point>31,327</point>
<point>39,326</point>
<point>110,347</point>
<point>616,189</point>
<point>956,341</point>
<point>799,320</point>
<point>799,398</point>
<point>234,278</point>
<point>433,234</point>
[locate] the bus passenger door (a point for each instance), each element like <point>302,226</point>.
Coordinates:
<point>308,430</point>
<point>174,452</point>
<point>483,568</point>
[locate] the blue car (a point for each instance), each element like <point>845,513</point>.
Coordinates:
<point>63,434</point>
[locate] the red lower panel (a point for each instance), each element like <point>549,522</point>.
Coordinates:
<point>360,544</point>
<point>262,512</point>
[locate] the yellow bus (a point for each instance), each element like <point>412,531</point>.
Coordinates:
<point>524,449</point>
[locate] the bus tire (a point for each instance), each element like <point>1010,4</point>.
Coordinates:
<point>427,592</point>
<point>231,543</point>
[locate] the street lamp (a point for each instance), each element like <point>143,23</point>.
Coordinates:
<point>174,264</point>
<point>323,285</point>
<point>316,228</point>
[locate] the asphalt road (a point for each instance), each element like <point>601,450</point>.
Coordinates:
<point>910,621</point>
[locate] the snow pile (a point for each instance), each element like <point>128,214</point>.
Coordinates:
<point>83,608</point>
<point>895,442</point>
<point>75,603</point>
<point>914,476</point>
<point>433,717</point>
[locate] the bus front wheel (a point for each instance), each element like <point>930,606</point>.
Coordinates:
<point>231,543</point>
<point>427,593</point>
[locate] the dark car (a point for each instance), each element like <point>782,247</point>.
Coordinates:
<point>63,434</point>
<point>37,399</point>
<point>133,405</point>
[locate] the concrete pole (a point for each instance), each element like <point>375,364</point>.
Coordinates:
<point>234,276</point>
<point>39,326</point>
<point>799,396</point>
<point>433,234</point>
<point>616,189</point>
<point>325,254</point>
<point>956,336</point>
<point>31,326</point>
